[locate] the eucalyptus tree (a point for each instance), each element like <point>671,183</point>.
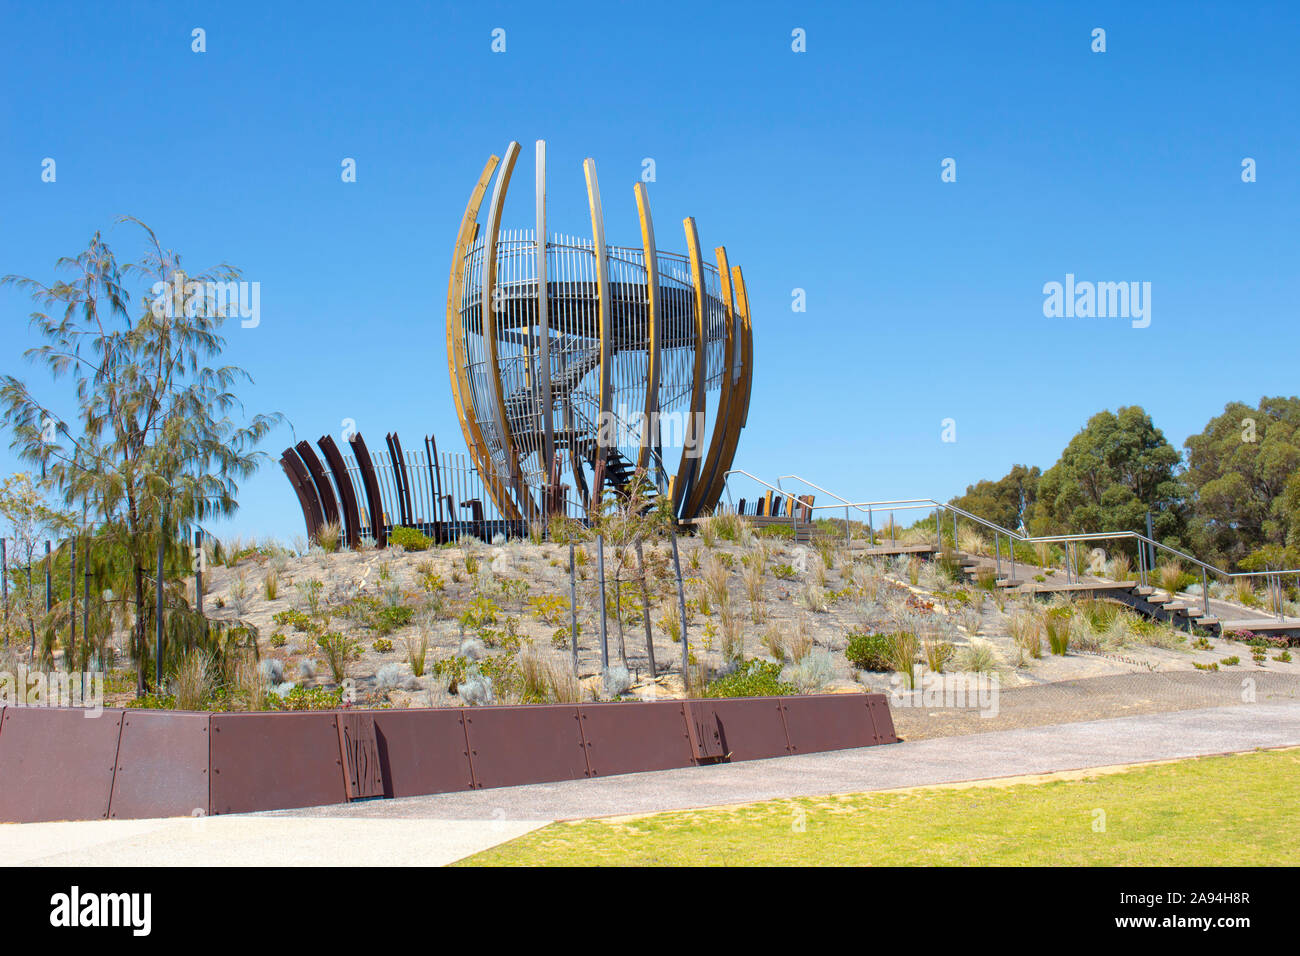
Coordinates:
<point>154,446</point>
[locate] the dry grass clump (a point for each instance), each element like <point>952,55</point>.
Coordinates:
<point>534,675</point>
<point>713,579</point>
<point>866,578</point>
<point>972,541</point>
<point>904,648</point>
<point>937,653</point>
<point>797,645</point>
<point>733,634</point>
<point>671,621</point>
<point>417,648</point>
<point>1026,630</point>
<point>1243,590</point>
<point>755,586</point>
<point>969,616</point>
<point>774,641</point>
<point>1169,575</point>
<point>192,681</point>
<point>977,657</point>
<point>813,598</point>
<point>1120,568</point>
<point>239,594</point>
<point>330,537</point>
<point>915,535</point>
<point>247,683</point>
<point>817,570</point>
<point>563,684</point>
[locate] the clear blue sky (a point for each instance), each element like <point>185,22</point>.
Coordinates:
<point>818,170</point>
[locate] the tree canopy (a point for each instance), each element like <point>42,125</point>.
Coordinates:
<point>154,446</point>
<point>1119,467</point>
<point>1238,470</point>
<point>1009,501</point>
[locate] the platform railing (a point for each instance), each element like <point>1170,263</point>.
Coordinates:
<point>1146,550</point>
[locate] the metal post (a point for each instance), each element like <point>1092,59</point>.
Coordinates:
<point>997,552</point>
<point>29,597</point>
<point>72,595</point>
<point>1011,544</point>
<point>938,531</point>
<point>198,569</point>
<point>892,536</point>
<point>871,530</point>
<point>681,608</point>
<point>158,615</point>
<point>573,612</point>
<point>1151,560</point>
<point>49,582</point>
<point>1205,591</point>
<point>645,609</point>
<point>600,571</point>
<point>848,537</point>
<point>85,599</point>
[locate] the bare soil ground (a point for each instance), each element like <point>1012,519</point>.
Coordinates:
<point>817,596</point>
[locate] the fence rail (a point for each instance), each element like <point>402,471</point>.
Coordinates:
<point>1147,546</point>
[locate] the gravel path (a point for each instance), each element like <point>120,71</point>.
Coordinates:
<point>1006,753</point>
<point>1097,698</point>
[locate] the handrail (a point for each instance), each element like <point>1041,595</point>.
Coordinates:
<point>818,487</point>
<point>906,504</point>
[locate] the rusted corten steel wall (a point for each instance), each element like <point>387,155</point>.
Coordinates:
<point>59,764</point>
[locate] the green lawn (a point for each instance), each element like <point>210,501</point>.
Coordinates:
<point>1234,810</point>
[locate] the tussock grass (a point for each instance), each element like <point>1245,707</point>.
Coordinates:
<point>192,681</point>
<point>330,537</point>
<point>904,648</point>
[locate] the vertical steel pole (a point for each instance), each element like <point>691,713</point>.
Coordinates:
<point>85,598</point>
<point>49,581</point>
<point>198,570</point>
<point>871,530</point>
<point>158,614</point>
<point>72,594</point>
<point>645,609</point>
<point>600,571</point>
<point>1151,562</point>
<point>848,537</point>
<point>573,611</point>
<point>1205,591</point>
<point>29,599</point>
<point>997,553</point>
<point>681,609</point>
